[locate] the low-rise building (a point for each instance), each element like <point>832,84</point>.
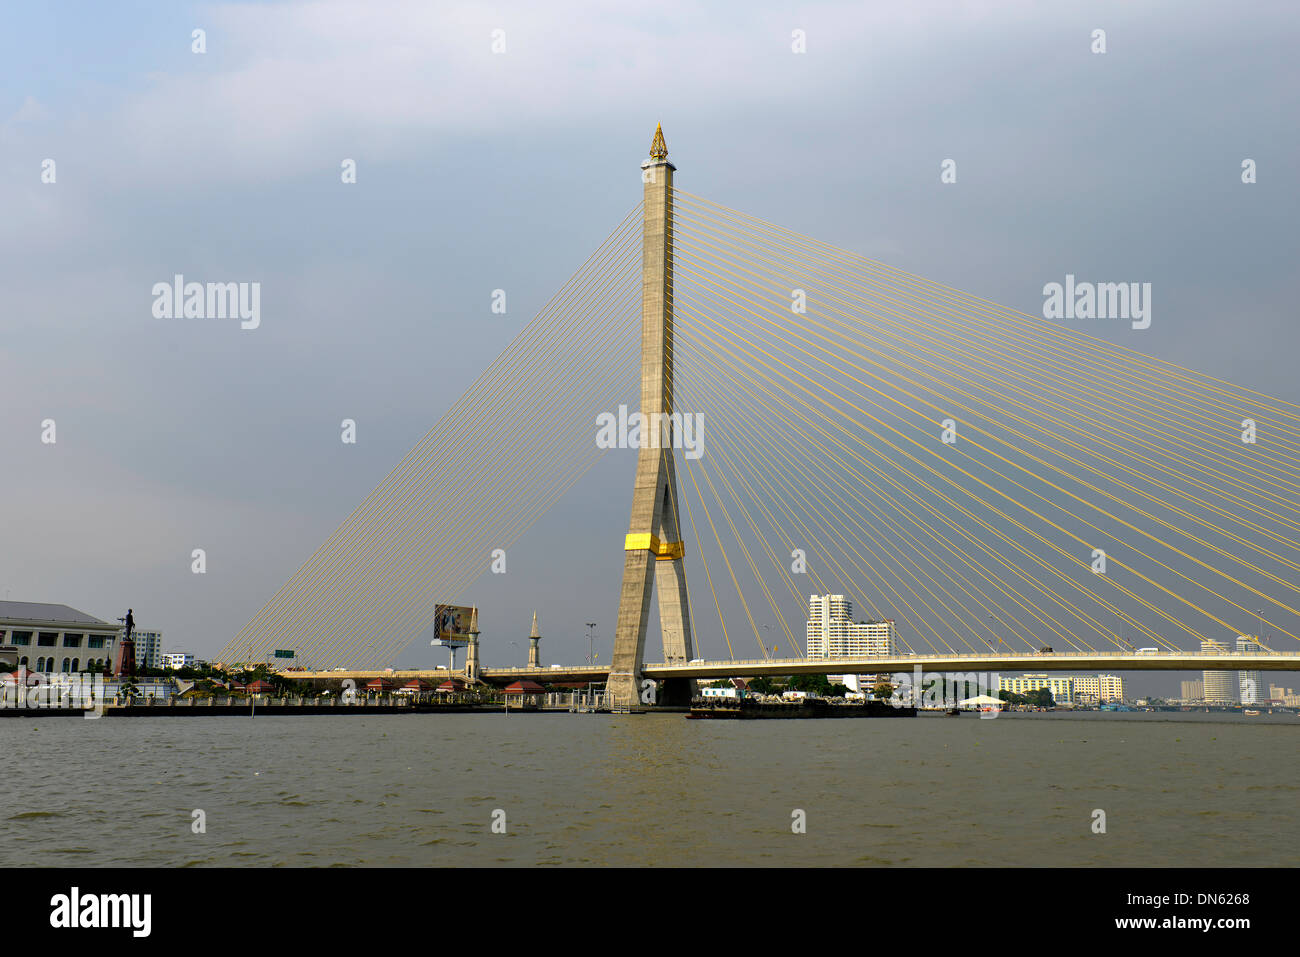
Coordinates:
<point>51,638</point>
<point>175,660</point>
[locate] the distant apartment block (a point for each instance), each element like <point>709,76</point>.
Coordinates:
<point>1221,687</point>
<point>174,660</point>
<point>1098,688</point>
<point>1286,697</point>
<point>1250,684</point>
<point>148,647</point>
<point>1061,686</point>
<point>1193,690</point>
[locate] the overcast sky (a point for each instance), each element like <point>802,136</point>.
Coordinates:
<point>479,170</point>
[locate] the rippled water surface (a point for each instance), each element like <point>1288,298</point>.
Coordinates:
<point>652,789</point>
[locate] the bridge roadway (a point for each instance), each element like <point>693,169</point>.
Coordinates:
<point>1027,663</point>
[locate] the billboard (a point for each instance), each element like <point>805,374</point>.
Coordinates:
<point>451,624</point>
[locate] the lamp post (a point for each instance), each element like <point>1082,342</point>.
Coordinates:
<point>590,625</point>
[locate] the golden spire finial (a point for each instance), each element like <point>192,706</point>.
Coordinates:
<point>659,148</point>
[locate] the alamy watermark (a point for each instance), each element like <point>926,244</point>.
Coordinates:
<point>179,299</point>
<point>24,689</point>
<point>946,689</point>
<point>1103,300</point>
<point>675,430</point>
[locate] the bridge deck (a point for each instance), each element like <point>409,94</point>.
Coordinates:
<point>776,667</point>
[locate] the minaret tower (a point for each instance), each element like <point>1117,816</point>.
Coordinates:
<point>471,650</point>
<point>653,550</point>
<point>534,645</point>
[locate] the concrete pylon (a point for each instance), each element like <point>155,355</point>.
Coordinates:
<point>653,549</point>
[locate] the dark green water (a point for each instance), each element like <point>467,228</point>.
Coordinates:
<point>1192,790</point>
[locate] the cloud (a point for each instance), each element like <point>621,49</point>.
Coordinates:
<point>29,112</point>
<point>289,87</point>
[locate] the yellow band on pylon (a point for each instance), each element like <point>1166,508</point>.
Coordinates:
<point>663,551</point>
<point>639,540</point>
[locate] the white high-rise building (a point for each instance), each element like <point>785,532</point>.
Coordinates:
<point>832,633</point>
<point>1250,684</point>
<point>1221,687</point>
<point>148,647</point>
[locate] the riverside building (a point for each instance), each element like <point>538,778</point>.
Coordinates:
<point>55,638</point>
<point>1061,686</point>
<point>175,660</point>
<point>1099,688</point>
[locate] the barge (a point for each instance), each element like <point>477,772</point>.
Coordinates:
<point>743,709</point>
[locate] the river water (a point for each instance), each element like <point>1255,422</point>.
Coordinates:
<point>653,789</point>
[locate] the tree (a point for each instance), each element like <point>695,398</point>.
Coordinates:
<point>720,683</point>
<point>280,683</point>
<point>762,685</point>
<point>127,688</point>
<point>813,684</point>
<point>883,690</point>
<point>1041,698</point>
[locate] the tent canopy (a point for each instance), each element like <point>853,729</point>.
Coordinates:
<point>981,699</point>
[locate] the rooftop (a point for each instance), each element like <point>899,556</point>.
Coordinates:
<point>39,611</point>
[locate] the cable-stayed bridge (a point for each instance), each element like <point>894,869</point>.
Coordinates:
<point>990,481</point>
